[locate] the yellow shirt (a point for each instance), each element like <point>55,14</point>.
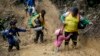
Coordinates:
<point>71,24</point>
<point>41,19</point>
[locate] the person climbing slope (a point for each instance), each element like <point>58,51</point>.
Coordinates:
<point>12,35</point>
<point>59,38</point>
<point>71,26</point>
<point>37,22</point>
<point>30,6</point>
<point>73,22</point>
<point>40,26</point>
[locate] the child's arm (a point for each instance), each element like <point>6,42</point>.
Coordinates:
<point>68,36</point>
<point>21,30</point>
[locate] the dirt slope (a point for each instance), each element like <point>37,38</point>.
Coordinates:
<point>29,48</point>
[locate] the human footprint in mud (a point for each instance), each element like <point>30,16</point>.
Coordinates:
<point>12,35</point>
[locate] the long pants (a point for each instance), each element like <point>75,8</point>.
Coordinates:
<point>39,34</point>
<point>73,37</point>
<point>12,45</point>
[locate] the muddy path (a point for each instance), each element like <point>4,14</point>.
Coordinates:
<point>87,47</point>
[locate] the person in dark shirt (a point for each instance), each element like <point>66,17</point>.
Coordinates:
<point>40,26</point>
<point>12,35</point>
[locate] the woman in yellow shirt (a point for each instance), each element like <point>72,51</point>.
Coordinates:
<point>71,26</point>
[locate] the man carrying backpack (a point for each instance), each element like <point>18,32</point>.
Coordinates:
<point>2,21</point>
<point>71,26</point>
<point>40,26</point>
<point>72,22</point>
<point>37,22</point>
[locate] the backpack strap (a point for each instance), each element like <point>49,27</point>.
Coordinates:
<point>34,19</point>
